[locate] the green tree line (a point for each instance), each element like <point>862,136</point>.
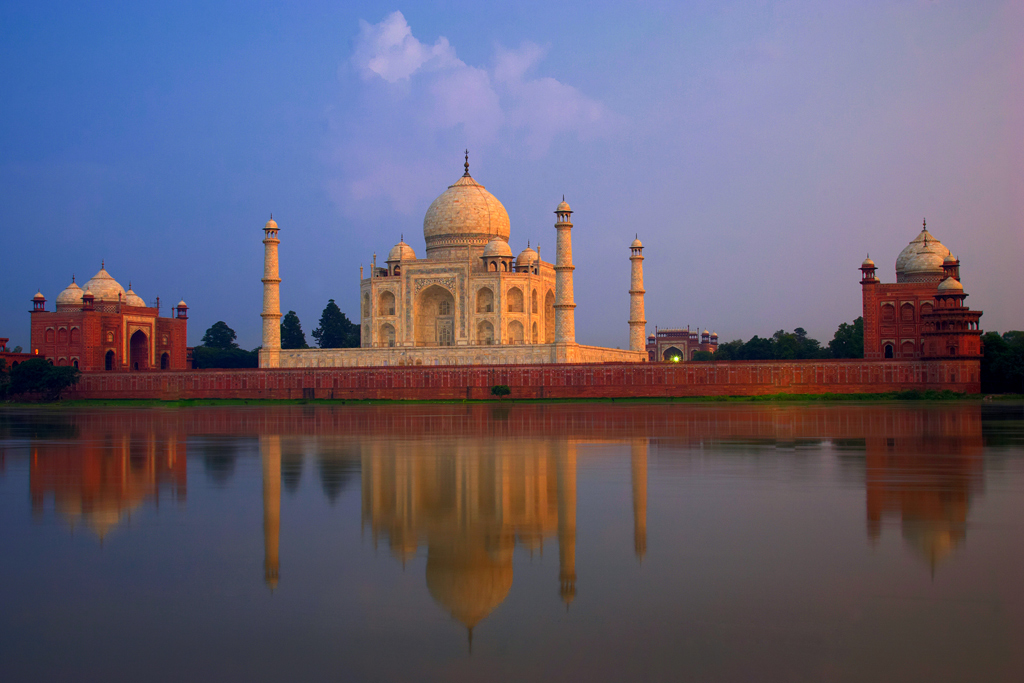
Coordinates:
<point>220,350</point>
<point>36,376</point>
<point>848,342</point>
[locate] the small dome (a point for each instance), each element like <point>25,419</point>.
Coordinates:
<point>104,287</point>
<point>271,224</point>
<point>133,299</point>
<point>497,247</point>
<point>87,294</point>
<point>563,206</point>
<point>401,252</point>
<point>637,244</point>
<point>71,295</point>
<point>706,333</point>
<point>526,257</point>
<point>950,260</point>
<point>950,284</point>
<point>39,297</point>
<point>714,335</point>
<point>182,304</point>
<point>868,263</point>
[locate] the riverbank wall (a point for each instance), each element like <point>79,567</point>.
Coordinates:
<point>595,380</point>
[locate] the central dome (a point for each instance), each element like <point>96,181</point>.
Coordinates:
<point>465,215</point>
<point>922,259</point>
<point>104,287</point>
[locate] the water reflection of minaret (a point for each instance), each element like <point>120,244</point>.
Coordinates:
<point>566,469</point>
<point>638,465</point>
<point>270,449</point>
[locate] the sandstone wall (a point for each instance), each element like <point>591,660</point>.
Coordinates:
<point>738,378</point>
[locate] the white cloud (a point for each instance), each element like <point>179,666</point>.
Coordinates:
<point>419,101</point>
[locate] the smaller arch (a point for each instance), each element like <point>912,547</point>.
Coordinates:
<point>533,302</point>
<point>907,313</point>
<point>515,332</point>
<point>888,313</point>
<point>366,305</point>
<point>484,300</point>
<point>907,349</point>
<point>888,348</point>
<point>386,303</point>
<point>76,335</point>
<point>485,332</point>
<point>165,360</point>
<point>535,336</point>
<point>108,361</point>
<point>110,337</point>
<point>62,335</point>
<point>514,296</point>
<point>50,335</point>
<point>387,335</point>
<point>74,364</point>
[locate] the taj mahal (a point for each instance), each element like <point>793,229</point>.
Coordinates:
<point>469,301</point>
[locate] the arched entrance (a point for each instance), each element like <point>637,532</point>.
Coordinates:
<point>672,354</point>
<point>888,350</point>
<point>387,335</point>
<point>484,332</point>
<point>108,361</point>
<point>138,351</point>
<point>515,332</point>
<point>165,361</point>
<point>435,317</point>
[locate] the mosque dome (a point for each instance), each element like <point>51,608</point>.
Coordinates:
<point>465,214</point>
<point>104,287</point>
<point>133,299</point>
<point>922,259</point>
<point>526,257</point>
<point>71,296</point>
<point>401,252</point>
<point>467,580</point>
<point>497,247</point>
<point>951,284</point>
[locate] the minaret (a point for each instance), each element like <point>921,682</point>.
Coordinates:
<point>638,465</point>
<point>565,464</point>
<point>270,450</point>
<point>565,318</point>
<point>270,354</point>
<point>637,323</point>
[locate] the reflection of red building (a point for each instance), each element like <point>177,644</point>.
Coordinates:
<point>926,478</point>
<point>97,479</point>
<point>679,345</point>
<point>102,327</point>
<point>922,314</point>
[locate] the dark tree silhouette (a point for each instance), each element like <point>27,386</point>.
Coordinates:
<point>220,336</point>
<point>336,331</point>
<point>292,336</point>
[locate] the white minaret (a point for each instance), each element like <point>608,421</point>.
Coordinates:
<point>270,354</point>
<point>637,323</point>
<point>565,317</point>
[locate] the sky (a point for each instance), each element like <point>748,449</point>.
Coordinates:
<point>759,149</point>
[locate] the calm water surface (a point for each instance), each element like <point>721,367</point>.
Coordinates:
<point>717,542</point>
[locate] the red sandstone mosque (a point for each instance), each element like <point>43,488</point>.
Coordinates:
<point>101,327</point>
<point>922,315</point>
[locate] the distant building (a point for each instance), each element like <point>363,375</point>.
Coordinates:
<point>922,314</point>
<point>677,345</point>
<point>11,358</point>
<point>104,328</point>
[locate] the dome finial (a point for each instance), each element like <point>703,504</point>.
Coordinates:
<point>103,264</point>
<point>72,277</point>
<point>924,225</point>
<point>401,237</point>
<point>271,215</point>
<point>466,174</point>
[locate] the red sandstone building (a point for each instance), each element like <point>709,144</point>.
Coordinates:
<point>11,358</point>
<point>922,315</point>
<point>103,328</point>
<point>679,344</point>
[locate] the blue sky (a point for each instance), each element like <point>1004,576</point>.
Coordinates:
<point>760,149</point>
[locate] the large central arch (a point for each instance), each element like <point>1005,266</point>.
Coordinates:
<point>139,351</point>
<point>435,317</point>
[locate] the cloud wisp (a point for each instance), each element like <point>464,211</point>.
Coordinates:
<point>417,101</point>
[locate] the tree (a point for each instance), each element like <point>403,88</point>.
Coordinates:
<point>220,336</point>
<point>848,341</point>
<point>1002,366</point>
<point>500,390</point>
<point>40,376</point>
<point>336,331</point>
<point>292,336</point>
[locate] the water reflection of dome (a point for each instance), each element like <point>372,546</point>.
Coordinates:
<point>934,539</point>
<point>468,581</point>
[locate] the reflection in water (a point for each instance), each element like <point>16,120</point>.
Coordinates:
<point>100,479</point>
<point>925,474</point>
<point>464,484</point>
